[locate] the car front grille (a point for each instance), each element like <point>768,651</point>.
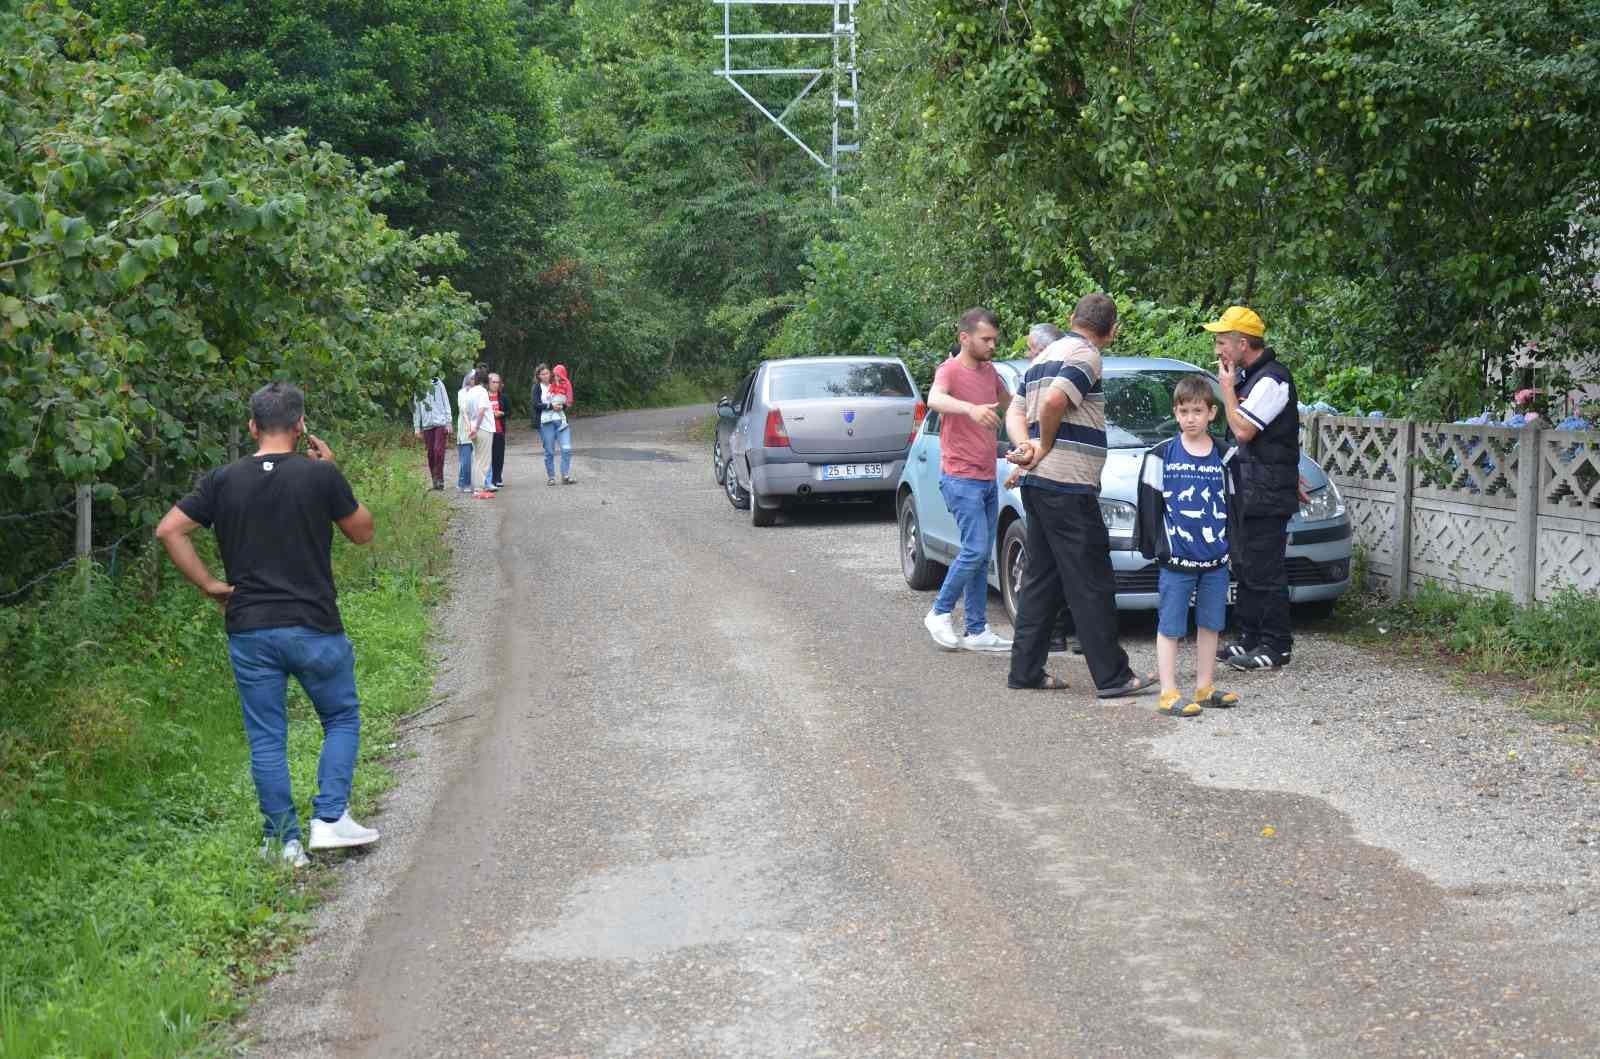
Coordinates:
<point>1301,571</point>
<point>1145,580</point>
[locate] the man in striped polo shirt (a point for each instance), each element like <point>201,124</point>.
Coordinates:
<point>1057,422</point>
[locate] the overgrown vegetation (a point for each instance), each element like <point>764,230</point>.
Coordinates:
<point>1552,647</point>
<point>1406,190</point>
<point>135,913</point>
<point>159,260</point>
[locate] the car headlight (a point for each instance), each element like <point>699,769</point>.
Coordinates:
<point>1325,503</point>
<point>1119,518</point>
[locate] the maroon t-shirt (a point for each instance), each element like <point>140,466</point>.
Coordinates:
<point>967,450</point>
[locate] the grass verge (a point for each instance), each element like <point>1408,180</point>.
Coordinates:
<point>135,914</point>
<point>676,390</point>
<point>1550,651</point>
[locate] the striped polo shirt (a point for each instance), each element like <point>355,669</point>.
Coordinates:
<point>1072,365</point>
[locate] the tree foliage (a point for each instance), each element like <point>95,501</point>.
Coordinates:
<point>1409,184</point>
<point>159,261</point>
<point>449,87</point>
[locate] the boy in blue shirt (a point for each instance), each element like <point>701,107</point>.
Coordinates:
<point>1183,525</point>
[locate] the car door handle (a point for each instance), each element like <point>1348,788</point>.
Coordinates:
<point>923,456</point>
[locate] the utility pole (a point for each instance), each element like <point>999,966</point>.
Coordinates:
<point>841,34</point>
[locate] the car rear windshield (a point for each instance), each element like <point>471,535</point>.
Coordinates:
<point>824,379</point>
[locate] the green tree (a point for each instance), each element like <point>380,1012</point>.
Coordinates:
<point>159,260</point>
<point>446,86</point>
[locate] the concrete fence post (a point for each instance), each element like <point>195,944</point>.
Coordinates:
<point>1525,542</point>
<point>85,535</point>
<point>1405,441</point>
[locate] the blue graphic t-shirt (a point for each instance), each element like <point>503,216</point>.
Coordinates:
<point>1197,506</point>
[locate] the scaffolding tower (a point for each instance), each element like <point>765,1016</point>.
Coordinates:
<point>842,35</point>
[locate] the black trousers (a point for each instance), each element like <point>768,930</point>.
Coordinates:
<point>1069,558</point>
<point>497,457</point>
<point>1262,610</point>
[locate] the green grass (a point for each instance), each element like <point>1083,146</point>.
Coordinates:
<point>702,429</point>
<point>676,390</point>
<point>134,912</point>
<point>1551,649</point>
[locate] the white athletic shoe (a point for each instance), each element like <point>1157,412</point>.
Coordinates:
<point>985,641</point>
<point>942,627</point>
<point>291,853</point>
<point>342,832</point>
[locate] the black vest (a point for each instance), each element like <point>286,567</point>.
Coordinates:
<point>1266,469</point>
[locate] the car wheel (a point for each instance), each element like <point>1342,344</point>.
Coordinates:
<point>1013,567</point>
<point>719,466</point>
<point>761,516</point>
<point>730,485</point>
<point>921,573</point>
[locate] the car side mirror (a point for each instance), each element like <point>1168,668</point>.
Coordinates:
<point>725,408</point>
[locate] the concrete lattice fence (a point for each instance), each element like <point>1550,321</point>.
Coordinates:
<point>1474,508</point>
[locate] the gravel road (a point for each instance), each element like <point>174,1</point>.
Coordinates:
<point>709,790</point>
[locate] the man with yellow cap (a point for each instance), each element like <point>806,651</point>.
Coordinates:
<point>1262,405</point>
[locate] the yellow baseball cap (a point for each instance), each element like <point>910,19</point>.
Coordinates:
<point>1238,318</point>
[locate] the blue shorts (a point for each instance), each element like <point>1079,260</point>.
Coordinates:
<point>1210,591</point>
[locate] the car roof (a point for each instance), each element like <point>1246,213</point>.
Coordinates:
<point>1120,365</point>
<point>840,357</point>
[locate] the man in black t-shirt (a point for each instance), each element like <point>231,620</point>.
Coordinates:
<point>273,514</point>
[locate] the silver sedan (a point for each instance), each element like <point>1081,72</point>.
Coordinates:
<point>815,427</point>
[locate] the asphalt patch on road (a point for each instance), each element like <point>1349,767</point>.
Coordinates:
<point>637,455</point>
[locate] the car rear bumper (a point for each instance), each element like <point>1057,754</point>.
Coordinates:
<point>806,478</point>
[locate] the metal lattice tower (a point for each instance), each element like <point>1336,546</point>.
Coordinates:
<point>841,33</point>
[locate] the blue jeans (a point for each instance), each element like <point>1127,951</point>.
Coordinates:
<point>464,479</point>
<point>1210,591</point>
<point>974,503</point>
<point>550,435</point>
<point>325,665</point>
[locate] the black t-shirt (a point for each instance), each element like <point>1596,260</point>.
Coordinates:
<point>273,516</point>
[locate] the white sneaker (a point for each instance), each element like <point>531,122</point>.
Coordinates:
<point>985,641</point>
<point>291,853</point>
<point>342,832</point>
<point>942,627</point>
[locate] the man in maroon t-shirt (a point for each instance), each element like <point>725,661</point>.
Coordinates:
<point>968,394</point>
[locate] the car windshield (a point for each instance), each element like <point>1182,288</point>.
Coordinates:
<point>1139,408</point>
<point>831,378</point>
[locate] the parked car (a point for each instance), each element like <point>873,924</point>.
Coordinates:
<point>1138,415</point>
<point>812,428</point>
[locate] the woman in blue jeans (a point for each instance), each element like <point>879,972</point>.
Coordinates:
<point>550,416</point>
<point>463,442</point>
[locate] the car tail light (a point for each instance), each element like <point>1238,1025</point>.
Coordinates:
<point>777,435</point>
<point>917,416</point>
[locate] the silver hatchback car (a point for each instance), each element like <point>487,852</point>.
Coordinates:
<point>815,427</point>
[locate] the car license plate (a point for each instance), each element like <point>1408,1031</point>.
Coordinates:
<point>832,472</point>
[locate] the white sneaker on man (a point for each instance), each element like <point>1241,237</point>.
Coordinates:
<point>942,627</point>
<point>291,853</point>
<point>985,641</point>
<point>342,832</point>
